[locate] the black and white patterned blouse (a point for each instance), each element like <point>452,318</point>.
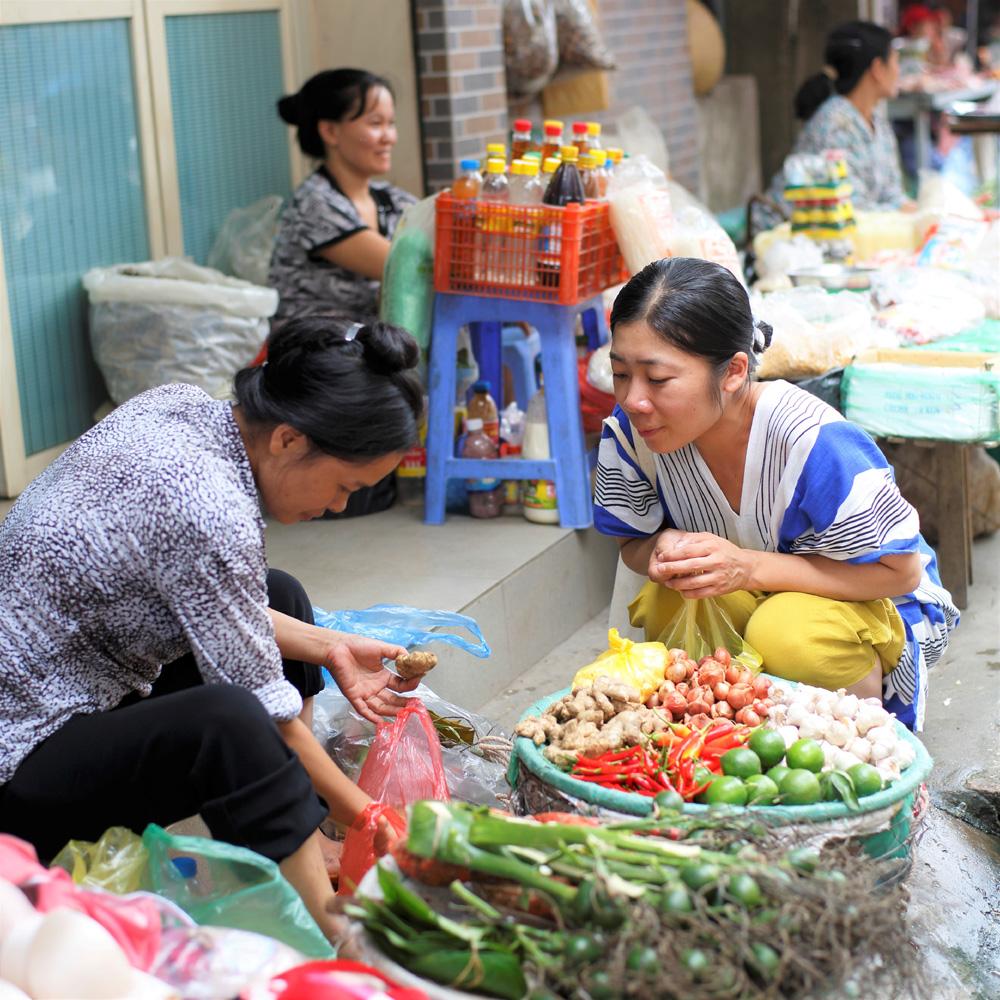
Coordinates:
<point>142,542</point>
<point>320,215</point>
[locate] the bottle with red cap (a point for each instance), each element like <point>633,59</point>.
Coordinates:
<point>580,137</point>
<point>552,130</point>
<point>521,139</point>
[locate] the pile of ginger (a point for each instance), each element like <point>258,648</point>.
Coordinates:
<point>603,716</point>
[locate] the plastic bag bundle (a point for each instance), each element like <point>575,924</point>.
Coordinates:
<point>407,296</point>
<point>406,626</point>
<point>923,304</point>
<point>359,844</point>
<point>639,664</point>
<point>701,626</point>
<point>246,239</point>
<point>173,321</point>
<point>531,45</point>
<point>641,213</point>
<point>115,863</point>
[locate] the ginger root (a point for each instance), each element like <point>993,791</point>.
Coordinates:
<point>417,664</point>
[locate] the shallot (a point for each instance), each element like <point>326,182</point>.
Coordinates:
<point>740,696</point>
<point>748,717</point>
<point>721,690</point>
<point>732,673</point>
<point>761,686</point>
<point>676,672</point>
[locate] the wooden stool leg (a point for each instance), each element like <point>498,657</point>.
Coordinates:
<point>954,519</point>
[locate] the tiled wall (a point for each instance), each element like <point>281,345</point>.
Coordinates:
<point>463,98</point>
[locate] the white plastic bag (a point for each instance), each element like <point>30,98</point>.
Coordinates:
<point>641,136</point>
<point>173,321</point>
<point>697,233</point>
<point>599,373</point>
<point>641,214</point>
<point>246,239</point>
<point>924,304</point>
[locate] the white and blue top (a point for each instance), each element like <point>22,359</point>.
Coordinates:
<point>814,484</point>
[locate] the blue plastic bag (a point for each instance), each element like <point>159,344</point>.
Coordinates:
<point>405,626</point>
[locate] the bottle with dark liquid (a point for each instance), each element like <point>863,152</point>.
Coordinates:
<point>565,188</point>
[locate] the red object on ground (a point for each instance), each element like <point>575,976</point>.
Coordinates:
<point>359,845</point>
<point>594,404</point>
<point>337,979</point>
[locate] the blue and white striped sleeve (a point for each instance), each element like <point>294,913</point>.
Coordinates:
<point>626,503</point>
<point>846,504</point>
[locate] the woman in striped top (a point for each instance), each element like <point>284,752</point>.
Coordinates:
<point>761,496</point>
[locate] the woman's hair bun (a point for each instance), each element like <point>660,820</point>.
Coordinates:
<point>763,332</point>
<point>388,349</point>
<point>289,109</point>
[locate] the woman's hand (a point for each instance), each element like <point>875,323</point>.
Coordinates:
<point>356,665</point>
<point>698,564</point>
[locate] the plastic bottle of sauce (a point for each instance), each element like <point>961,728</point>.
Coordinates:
<point>521,140</point>
<point>495,151</point>
<point>579,139</point>
<point>466,188</point>
<point>614,158</point>
<point>469,182</point>
<point>601,174</point>
<point>566,185</point>
<point>491,249</point>
<point>483,407</point>
<point>485,495</point>
<point>587,176</point>
<point>538,496</point>
<point>594,136</point>
<point>552,131</point>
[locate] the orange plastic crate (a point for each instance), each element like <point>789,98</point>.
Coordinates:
<point>538,253</point>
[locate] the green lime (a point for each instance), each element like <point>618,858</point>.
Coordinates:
<point>800,787</point>
<point>676,900</point>
<point>865,779</point>
<point>761,790</point>
<point>671,801</point>
<point>807,754</point>
<point>740,763</point>
<point>698,875</point>
<point>744,889</point>
<point>702,774</point>
<point>642,959</point>
<point>769,745</point>
<point>727,790</point>
<point>777,772</point>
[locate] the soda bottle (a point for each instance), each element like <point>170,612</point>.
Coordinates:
<point>495,151</point>
<point>483,407</point>
<point>566,185</point>
<point>469,182</point>
<point>553,133</point>
<point>491,255</point>
<point>485,494</point>
<point>580,137</point>
<point>521,140</point>
<point>593,136</point>
<point>526,189</point>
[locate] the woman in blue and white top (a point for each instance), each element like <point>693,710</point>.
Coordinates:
<point>761,496</point>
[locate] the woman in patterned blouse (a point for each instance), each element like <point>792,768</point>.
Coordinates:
<point>843,108</point>
<point>151,665</point>
<point>334,235</point>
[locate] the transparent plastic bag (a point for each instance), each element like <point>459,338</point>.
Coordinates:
<point>407,296</point>
<point>173,321</point>
<point>246,239</point>
<point>641,213</point>
<point>696,233</point>
<point>701,626</point>
<point>580,42</point>
<point>638,664</point>
<point>406,626</point>
<point>531,45</point>
<point>641,136</point>
<point>227,886</point>
<point>359,844</point>
<point>115,863</point>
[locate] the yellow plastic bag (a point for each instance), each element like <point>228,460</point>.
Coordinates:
<point>640,664</point>
<point>114,863</point>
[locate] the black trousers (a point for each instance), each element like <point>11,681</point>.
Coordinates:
<point>188,748</point>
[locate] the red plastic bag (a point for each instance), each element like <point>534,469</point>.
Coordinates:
<point>336,980</point>
<point>404,764</point>
<point>359,845</point>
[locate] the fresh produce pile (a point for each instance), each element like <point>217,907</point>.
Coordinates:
<point>680,760</point>
<point>513,908</point>
<point>716,687</point>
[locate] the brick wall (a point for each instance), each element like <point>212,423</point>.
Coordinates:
<point>462,86</point>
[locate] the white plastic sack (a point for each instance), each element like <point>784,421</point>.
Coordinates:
<point>599,373</point>
<point>173,321</point>
<point>924,304</point>
<point>246,239</point>
<point>640,211</point>
<point>697,233</point>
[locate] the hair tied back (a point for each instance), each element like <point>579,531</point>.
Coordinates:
<point>762,334</point>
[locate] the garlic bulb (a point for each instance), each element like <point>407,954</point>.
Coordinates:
<point>883,735</point>
<point>840,733</point>
<point>903,754</point>
<point>829,755</point>
<point>843,759</point>
<point>888,768</point>
<point>789,734</point>
<point>824,703</point>
<point>879,752</point>
<point>861,749</point>
<point>778,714</point>
<point>797,713</point>
<point>869,716</point>
<point>812,727</point>
<point>846,707</point>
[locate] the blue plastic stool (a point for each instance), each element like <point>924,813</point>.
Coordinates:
<point>520,351</point>
<point>556,328</point>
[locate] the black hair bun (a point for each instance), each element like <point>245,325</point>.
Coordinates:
<point>762,336</point>
<point>289,108</point>
<point>388,349</point>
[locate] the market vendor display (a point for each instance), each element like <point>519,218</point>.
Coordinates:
<point>842,108</point>
<point>333,238</point>
<point>760,496</point>
<point>151,667</point>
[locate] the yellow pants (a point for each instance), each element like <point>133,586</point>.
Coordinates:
<point>801,637</point>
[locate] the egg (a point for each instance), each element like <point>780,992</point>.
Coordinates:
<point>147,987</point>
<point>16,948</point>
<point>74,956</point>
<point>14,907</point>
<point>8,991</point>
